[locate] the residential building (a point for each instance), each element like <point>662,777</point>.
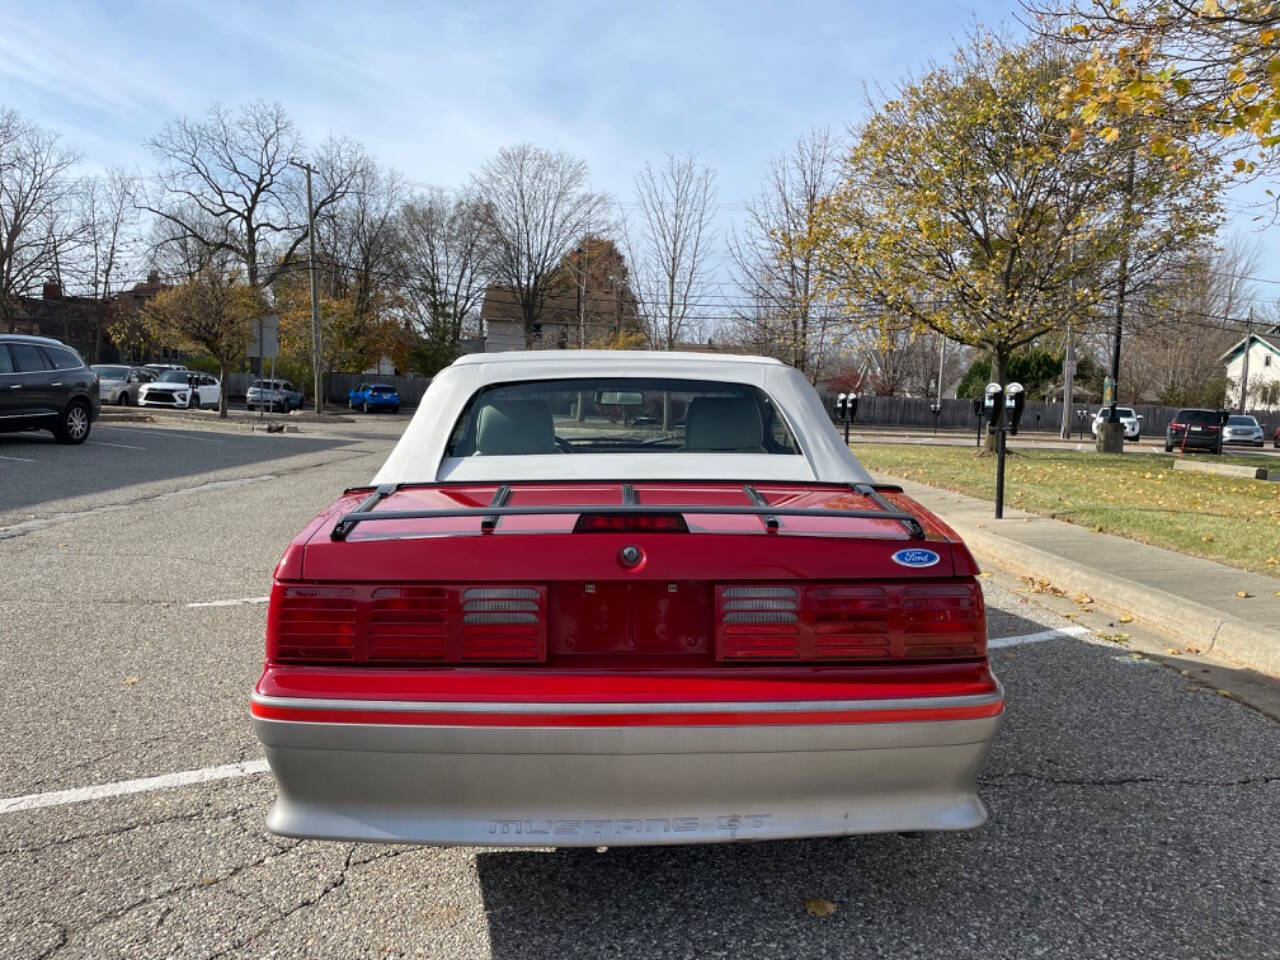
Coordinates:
<point>1263,386</point>
<point>605,316</point>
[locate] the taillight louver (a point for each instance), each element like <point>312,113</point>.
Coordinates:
<point>849,622</point>
<point>408,623</point>
<point>412,623</point>
<point>316,623</point>
<point>503,623</point>
<point>942,621</point>
<point>760,623</point>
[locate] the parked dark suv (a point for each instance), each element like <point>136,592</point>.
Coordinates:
<point>44,385</point>
<point>1195,430</point>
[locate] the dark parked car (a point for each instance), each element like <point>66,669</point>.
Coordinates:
<point>1195,430</point>
<point>44,385</point>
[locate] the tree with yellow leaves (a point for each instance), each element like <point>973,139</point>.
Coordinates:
<point>967,207</point>
<point>1202,73</point>
<point>213,312</point>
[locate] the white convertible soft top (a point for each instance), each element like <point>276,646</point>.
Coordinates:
<point>420,454</point>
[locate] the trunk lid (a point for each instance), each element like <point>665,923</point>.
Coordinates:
<point>544,546</point>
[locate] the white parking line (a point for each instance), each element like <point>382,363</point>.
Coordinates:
<point>164,431</point>
<point>122,446</point>
<point>186,778</point>
<point>18,459</point>
<point>1040,637</point>
<point>229,603</point>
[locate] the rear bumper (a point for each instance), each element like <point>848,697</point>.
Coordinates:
<point>561,774</point>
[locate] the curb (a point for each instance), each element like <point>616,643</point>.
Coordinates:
<point>1252,645</point>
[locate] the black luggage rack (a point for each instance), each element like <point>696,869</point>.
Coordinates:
<point>629,506</point>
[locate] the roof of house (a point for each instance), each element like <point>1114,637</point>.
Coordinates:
<point>1271,340</point>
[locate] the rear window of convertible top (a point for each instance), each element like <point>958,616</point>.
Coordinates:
<point>620,415</point>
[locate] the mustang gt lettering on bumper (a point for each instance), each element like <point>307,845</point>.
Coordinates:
<point>626,773</point>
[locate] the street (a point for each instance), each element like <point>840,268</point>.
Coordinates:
<point>1133,807</point>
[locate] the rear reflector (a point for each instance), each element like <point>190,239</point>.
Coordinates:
<point>837,622</point>
<point>637,523</point>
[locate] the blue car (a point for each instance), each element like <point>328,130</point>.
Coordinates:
<point>374,396</point>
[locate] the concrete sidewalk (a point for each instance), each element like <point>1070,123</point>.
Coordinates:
<point>1185,597</point>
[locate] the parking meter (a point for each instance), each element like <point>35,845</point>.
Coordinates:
<point>993,406</point>
<point>851,405</point>
<point>1015,401</point>
<point>840,399</point>
<point>1223,416</point>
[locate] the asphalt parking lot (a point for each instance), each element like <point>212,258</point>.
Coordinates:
<point>1133,807</point>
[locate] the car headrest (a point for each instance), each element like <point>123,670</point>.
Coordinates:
<point>725,424</point>
<point>511,427</point>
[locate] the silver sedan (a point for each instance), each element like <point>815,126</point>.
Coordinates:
<point>119,384</point>
<point>1242,429</point>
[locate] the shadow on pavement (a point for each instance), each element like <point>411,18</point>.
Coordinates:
<point>35,469</point>
<point>1126,807</point>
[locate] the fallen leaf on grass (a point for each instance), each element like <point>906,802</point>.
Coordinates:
<point>1084,598</point>
<point>1193,650</point>
<point>130,681</point>
<point>817,907</point>
<point>1243,594</point>
<point>1125,618</point>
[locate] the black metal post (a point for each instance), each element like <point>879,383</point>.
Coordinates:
<point>1000,436</point>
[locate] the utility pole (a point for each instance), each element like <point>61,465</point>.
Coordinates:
<point>942,359</point>
<point>1069,362</point>
<point>317,363</point>
<point>1111,436</point>
<point>1244,372</point>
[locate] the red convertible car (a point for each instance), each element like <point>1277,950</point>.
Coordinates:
<point>607,598</point>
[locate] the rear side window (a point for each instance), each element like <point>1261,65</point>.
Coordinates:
<point>27,358</point>
<point>6,364</point>
<point>62,358</point>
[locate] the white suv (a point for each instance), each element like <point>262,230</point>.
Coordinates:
<point>1132,421</point>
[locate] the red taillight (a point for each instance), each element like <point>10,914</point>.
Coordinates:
<point>1177,426</point>
<point>839,622</point>
<point>637,523</point>
<point>311,623</point>
<point>407,624</point>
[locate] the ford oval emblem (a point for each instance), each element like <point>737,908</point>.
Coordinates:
<point>915,557</point>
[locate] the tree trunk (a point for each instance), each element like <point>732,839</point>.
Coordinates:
<point>222,389</point>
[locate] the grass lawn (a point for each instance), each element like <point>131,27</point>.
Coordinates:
<point>1139,496</point>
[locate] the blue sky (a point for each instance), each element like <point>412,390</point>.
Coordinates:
<point>433,89</point>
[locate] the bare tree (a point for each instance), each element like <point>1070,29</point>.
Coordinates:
<point>1183,322</point>
<point>35,205</point>
<point>777,264</point>
<point>361,240</point>
<point>444,247</point>
<point>108,218</point>
<point>535,205</point>
<point>181,246</point>
<point>669,257</point>
<point>227,184</point>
